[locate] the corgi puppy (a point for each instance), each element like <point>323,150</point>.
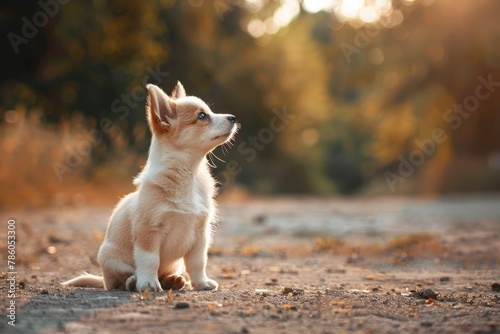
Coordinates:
<point>164,228</point>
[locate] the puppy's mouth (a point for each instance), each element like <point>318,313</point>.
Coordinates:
<point>228,134</point>
<point>222,136</point>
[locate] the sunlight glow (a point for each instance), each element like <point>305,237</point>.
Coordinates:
<point>368,14</point>
<point>254,5</point>
<point>288,11</point>
<point>281,18</point>
<point>271,26</point>
<point>357,12</point>
<point>256,28</point>
<point>310,137</point>
<point>376,56</point>
<point>351,8</point>
<point>314,6</point>
<point>366,11</point>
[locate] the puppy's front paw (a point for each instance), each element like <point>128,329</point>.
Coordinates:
<point>206,284</point>
<point>152,285</point>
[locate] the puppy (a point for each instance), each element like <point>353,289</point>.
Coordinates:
<point>165,226</point>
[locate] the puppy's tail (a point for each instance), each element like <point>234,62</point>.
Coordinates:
<point>86,280</point>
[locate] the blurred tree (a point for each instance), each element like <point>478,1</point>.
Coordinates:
<point>363,95</point>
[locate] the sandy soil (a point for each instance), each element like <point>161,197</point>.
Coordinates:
<point>284,266</point>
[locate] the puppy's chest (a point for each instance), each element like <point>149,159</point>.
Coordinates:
<point>194,209</point>
<point>180,230</point>
<point>189,212</point>
<point>198,200</point>
<point>186,224</point>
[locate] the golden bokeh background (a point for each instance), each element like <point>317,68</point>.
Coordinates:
<point>384,97</point>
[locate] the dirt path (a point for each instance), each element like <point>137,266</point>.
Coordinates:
<point>283,265</point>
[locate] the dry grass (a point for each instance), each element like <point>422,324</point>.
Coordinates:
<point>417,244</point>
<point>329,244</point>
<point>31,149</point>
<point>251,251</point>
<point>404,246</point>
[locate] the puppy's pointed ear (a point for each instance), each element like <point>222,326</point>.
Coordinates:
<point>178,91</point>
<point>160,109</point>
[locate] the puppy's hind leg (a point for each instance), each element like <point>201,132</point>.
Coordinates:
<point>174,282</point>
<point>171,274</point>
<point>116,274</point>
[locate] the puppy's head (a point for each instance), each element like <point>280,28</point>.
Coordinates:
<point>186,122</point>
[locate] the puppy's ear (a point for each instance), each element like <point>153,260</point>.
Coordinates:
<point>178,91</point>
<point>160,108</point>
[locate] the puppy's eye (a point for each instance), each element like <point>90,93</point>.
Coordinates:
<point>202,115</point>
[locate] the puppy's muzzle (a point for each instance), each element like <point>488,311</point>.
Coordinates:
<point>233,120</point>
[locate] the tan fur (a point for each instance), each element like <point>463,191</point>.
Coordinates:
<point>166,224</point>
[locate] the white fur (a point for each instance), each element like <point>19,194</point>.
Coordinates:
<point>86,279</point>
<point>166,224</point>
<point>147,269</point>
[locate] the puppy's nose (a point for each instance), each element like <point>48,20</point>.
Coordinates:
<point>231,118</point>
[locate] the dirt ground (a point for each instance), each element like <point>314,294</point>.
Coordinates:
<point>284,265</point>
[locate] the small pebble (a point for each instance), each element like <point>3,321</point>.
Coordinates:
<point>259,219</point>
<point>22,285</point>
<point>444,279</point>
<point>44,292</point>
<point>495,287</point>
<point>181,305</point>
<point>429,293</point>
<point>314,315</point>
